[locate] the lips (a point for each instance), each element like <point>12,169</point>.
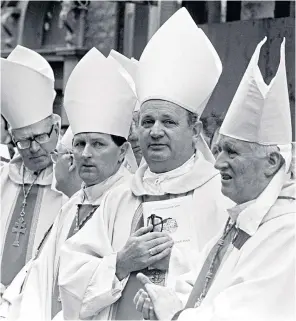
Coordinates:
<point>87,166</point>
<point>157,145</point>
<point>226,177</point>
<point>37,157</point>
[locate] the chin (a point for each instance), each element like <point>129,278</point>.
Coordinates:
<point>157,157</point>
<point>228,193</point>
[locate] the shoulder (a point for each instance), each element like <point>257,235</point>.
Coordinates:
<point>119,199</point>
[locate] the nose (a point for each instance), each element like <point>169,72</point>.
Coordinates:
<point>156,131</point>
<point>34,146</point>
<point>221,161</point>
<point>87,151</point>
<point>133,133</point>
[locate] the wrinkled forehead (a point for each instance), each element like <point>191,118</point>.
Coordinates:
<point>88,137</point>
<point>158,108</point>
<point>41,127</point>
<point>226,142</point>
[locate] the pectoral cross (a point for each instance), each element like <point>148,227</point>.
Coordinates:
<point>19,228</point>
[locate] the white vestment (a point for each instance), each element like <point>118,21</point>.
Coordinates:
<point>43,204</point>
<point>257,282</point>
<point>35,300</point>
<point>88,284</point>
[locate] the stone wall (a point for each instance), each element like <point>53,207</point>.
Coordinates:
<point>101,26</point>
<point>235,43</point>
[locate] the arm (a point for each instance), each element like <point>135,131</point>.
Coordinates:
<point>261,286</point>
<point>87,277</point>
<point>96,262</point>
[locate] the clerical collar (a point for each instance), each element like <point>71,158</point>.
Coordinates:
<point>152,181</point>
<point>179,171</point>
<point>16,173</point>
<point>250,215</point>
<point>191,175</point>
<point>92,193</point>
<point>237,209</point>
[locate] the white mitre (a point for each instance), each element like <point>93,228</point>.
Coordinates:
<point>260,113</point>
<point>67,138</point>
<point>179,65</point>
<point>97,98</point>
<point>128,69</point>
<point>27,87</point>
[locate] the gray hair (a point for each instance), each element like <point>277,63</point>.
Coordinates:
<point>265,150</point>
<point>192,118</point>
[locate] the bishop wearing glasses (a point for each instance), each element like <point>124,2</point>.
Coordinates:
<point>29,202</point>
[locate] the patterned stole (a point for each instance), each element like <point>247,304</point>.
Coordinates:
<point>238,238</point>
<point>124,308</point>
<point>84,210</point>
<point>14,257</point>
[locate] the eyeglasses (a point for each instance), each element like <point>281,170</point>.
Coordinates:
<point>40,139</point>
<point>55,155</point>
<point>157,222</point>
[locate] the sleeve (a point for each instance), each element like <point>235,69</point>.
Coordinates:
<point>262,285</point>
<point>87,279</point>
<point>185,282</point>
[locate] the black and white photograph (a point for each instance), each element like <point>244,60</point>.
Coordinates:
<point>148,160</point>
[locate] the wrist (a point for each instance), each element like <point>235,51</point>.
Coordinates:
<point>121,272</point>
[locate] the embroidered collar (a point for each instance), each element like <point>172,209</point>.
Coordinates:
<point>191,175</point>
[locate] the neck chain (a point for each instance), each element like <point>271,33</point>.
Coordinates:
<point>20,224</point>
<point>210,274</point>
<point>79,225</point>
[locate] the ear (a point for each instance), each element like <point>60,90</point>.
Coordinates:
<point>197,128</point>
<point>274,164</point>
<point>123,150</point>
<point>71,163</point>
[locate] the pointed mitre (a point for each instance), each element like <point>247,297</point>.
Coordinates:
<point>127,68</point>
<point>97,98</point>
<point>260,113</point>
<point>27,87</point>
<point>179,64</point>
<point>67,138</point>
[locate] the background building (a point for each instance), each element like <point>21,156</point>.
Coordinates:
<point>62,31</point>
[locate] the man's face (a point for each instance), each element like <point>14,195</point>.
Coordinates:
<point>133,137</point>
<point>37,156</point>
<point>165,136</point>
<point>242,172</point>
<point>97,156</point>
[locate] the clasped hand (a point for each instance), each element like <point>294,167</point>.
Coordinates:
<point>144,248</point>
<point>157,302</point>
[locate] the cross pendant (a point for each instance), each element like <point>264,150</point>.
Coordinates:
<point>19,228</point>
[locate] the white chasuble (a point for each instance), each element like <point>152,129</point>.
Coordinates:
<point>38,286</point>
<point>88,283</point>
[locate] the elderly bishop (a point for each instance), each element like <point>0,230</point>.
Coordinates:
<point>248,272</point>
<point>29,202</point>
